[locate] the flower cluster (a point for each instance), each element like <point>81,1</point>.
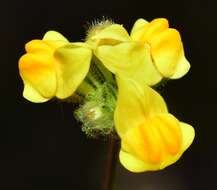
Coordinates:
<point>114,72</point>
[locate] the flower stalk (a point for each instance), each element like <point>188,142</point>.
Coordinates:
<point>113,145</point>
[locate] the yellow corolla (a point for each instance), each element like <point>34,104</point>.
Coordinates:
<point>166,46</point>
<point>158,50</point>
<point>53,67</point>
<point>151,138</point>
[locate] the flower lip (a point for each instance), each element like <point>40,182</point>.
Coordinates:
<point>154,139</point>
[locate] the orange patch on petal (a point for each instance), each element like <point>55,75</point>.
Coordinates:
<point>43,46</point>
<point>38,46</point>
<point>156,139</point>
<point>168,127</point>
<point>39,71</point>
<point>151,138</point>
<point>154,28</point>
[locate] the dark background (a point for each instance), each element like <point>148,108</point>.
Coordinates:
<point>42,146</point>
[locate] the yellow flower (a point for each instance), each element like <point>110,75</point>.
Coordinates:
<point>158,49</point>
<point>53,67</point>
<point>166,46</point>
<point>151,138</point>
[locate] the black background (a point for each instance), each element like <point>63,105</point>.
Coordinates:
<point>42,146</point>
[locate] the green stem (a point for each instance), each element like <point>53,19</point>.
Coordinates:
<point>113,145</point>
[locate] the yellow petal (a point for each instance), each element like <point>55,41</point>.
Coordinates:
<point>167,52</point>
<point>112,34</point>
<point>182,67</point>
<point>72,67</point>
<point>43,47</point>
<point>32,95</point>
<point>150,30</point>
<point>187,139</point>
<point>188,135</point>
<point>154,139</point>
<point>54,36</point>
<point>137,31</point>
<point>38,46</point>
<point>134,103</point>
<point>134,164</point>
<point>54,39</point>
<point>157,143</point>
<point>38,71</point>
<point>131,60</point>
<point>129,112</point>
